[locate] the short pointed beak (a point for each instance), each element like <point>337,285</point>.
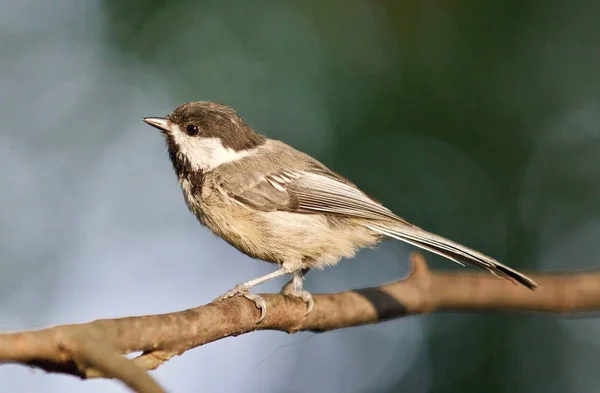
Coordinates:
<point>158,122</point>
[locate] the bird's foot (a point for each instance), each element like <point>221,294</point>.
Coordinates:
<point>243,290</point>
<point>291,289</point>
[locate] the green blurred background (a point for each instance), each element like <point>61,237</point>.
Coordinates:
<point>476,120</point>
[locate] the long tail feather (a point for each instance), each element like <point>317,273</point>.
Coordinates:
<point>451,250</point>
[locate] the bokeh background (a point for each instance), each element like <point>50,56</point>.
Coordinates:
<point>476,120</point>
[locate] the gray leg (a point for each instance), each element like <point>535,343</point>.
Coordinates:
<point>295,287</point>
<point>243,289</point>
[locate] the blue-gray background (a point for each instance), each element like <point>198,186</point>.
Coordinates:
<point>477,120</point>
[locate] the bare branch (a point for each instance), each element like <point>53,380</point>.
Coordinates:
<point>99,356</point>
<point>94,349</point>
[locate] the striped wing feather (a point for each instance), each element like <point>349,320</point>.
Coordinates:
<point>320,191</point>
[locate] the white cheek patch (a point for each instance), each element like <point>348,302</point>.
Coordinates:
<point>205,153</point>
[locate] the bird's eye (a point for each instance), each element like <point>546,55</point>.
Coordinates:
<point>191,129</point>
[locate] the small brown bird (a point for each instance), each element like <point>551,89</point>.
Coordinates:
<point>277,204</point>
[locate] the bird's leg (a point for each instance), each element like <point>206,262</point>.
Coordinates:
<point>295,287</point>
<point>243,289</point>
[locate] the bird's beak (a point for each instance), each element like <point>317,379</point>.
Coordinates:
<point>159,122</point>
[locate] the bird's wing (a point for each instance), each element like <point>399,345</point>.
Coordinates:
<point>321,191</point>
<point>305,191</point>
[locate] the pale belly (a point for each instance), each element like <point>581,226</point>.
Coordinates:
<point>296,240</point>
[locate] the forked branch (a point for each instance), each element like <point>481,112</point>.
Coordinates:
<point>95,349</point>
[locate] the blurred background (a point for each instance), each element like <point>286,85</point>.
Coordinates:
<point>476,120</point>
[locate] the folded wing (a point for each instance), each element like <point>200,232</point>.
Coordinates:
<point>320,191</point>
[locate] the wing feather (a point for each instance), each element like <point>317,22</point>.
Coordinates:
<point>319,191</point>
<point>306,192</point>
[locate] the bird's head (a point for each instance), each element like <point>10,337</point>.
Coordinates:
<point>203,135</point>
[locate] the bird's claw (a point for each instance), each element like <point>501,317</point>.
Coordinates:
<point>242,290</point>
<point>305,296</point>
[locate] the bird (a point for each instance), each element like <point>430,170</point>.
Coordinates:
<point>280,205</point>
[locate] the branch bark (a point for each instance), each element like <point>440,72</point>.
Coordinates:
<point>95,349</point>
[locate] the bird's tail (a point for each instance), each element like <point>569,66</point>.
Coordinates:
<point>451,250</point>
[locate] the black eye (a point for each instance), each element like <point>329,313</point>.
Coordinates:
<point>191,129</point>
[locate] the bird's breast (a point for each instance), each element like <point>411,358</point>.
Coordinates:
<point>193,198</point>
<point>276,236</point>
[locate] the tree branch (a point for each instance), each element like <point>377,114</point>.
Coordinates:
<point>94,349</point>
